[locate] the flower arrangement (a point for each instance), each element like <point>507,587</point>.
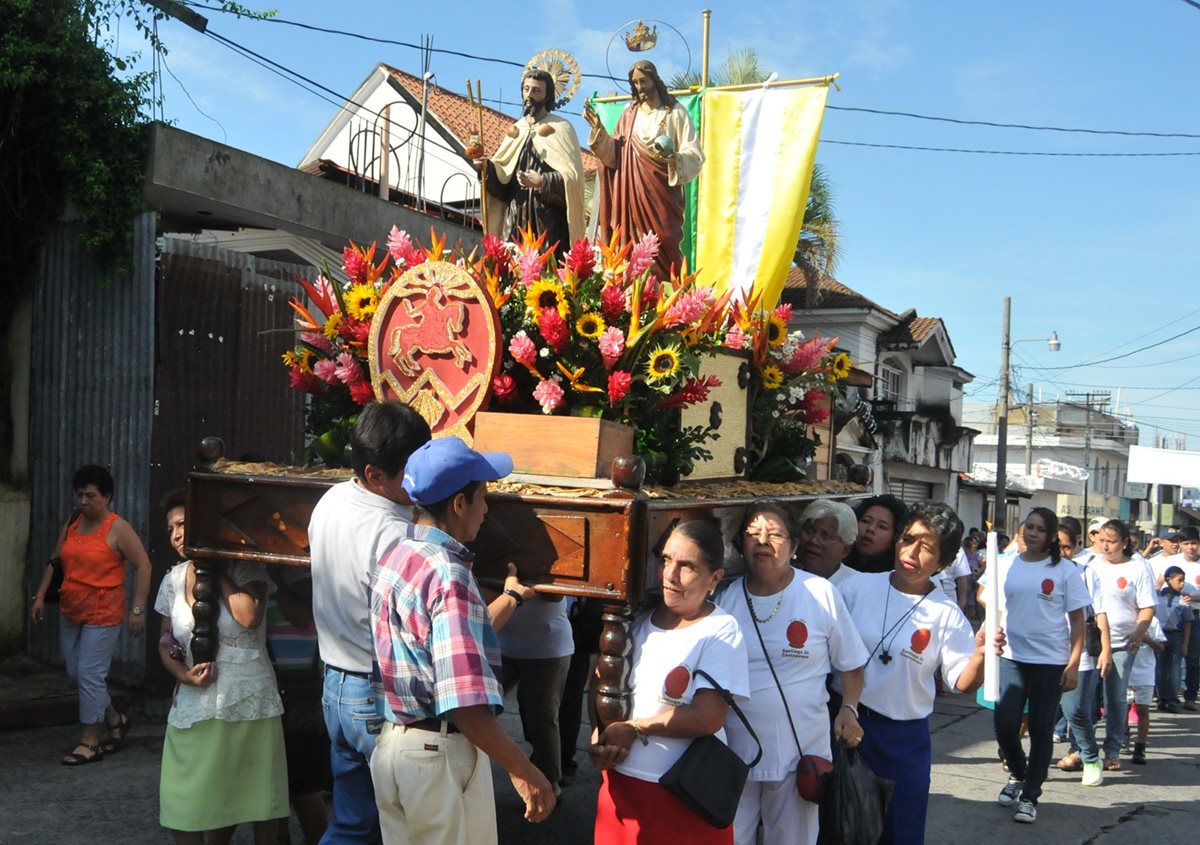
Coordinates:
<point>794,380</point>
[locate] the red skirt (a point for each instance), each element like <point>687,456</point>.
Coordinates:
<point>630,810</point>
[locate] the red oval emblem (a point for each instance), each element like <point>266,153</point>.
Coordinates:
<point>677,682</point>
<point>797,634</point>
<point>1047,586</point>
<point>1198,580</point>
<point>920,639</point>
<point>1122,583</point>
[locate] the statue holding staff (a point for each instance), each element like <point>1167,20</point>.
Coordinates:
<point>653,153</point>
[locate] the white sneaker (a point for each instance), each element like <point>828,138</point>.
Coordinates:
<point>1010,793</point>
<point>1093,774</point>
<point>1026,812</point>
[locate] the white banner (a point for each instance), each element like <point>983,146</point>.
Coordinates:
<point>1164,466</point>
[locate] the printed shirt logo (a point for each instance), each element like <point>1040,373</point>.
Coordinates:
<point>797,634</point>
<point>919,642</point>
<point>1122,583</point>
<point>1047,586</point>
<point>676,683</point>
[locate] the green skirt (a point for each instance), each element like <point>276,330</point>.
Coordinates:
<point>216,774</point>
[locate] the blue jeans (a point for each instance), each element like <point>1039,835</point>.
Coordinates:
<point>87,651</point>
<point>1115,707</point>
<point>1191,664</point>
<point>1166,669</point>
<point>1077,707</point>
<point>1039,684</point>
<point>353,722</point>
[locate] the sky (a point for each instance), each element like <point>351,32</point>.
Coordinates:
<point>1103,250</point>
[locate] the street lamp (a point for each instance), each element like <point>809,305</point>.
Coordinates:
<point>1053,344</point>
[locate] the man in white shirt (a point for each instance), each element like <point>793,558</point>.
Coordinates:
<point>352,526</point>
<point>828,530</point>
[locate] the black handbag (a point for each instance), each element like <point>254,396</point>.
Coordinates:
<point>56,578</point>
<point>709,777</point>
<point>1091,634</point>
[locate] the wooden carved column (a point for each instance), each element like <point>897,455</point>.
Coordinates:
<point>206,591</point>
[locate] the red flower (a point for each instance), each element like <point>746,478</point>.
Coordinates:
<point>354,265</point>
<point>554,329</point>
<point>816,407</point>
<point>619,383</point>
<point>306,382</point>
<point>361,393</point>
<point>806,356</point>
<point>784,312</point>
<point>612,300</point>
<point>693,392</point>
<point>504,389</point>
<point>650,292</point>
<point>355,331</point>
<point>494,249</point>
<point>581,260</point>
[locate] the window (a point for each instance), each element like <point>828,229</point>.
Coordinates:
<point>891,383</point>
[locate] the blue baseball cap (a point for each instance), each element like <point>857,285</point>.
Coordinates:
<point>442,467</point>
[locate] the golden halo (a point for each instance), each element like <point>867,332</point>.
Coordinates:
<point>563,69</point>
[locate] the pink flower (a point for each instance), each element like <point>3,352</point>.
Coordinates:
<point>735,338</point>
<point>612,300</point>
<point>689,307</point>
<point>805,357</point>
<point>554,329</point>
<point>523,350</point>
<point>504,389</point>
<point>404,252</point>
<point>643,255</point>
<point>619,383</point>
<point>549,394</point>
<point>816,407</point>
<point>581,259</point>
<point>326,371</point>
<point>348,371</point>
<point>354,265</point>
<point>612,345</point>
<point>318,340</point>
<point>784,312</point>
<point>361,393</point>
<point>529,265</point>
<point>306,382</point>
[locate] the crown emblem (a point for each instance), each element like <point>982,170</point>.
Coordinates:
<point>642,38</point>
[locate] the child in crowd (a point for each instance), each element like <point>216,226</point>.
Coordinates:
<point>1141,687</point>
<point>1175,618</point>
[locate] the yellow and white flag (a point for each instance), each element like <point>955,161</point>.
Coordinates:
<point>759,148</point>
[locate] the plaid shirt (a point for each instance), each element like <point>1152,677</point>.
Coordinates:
<point>434,643</point>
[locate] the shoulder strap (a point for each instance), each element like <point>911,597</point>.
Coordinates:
<point>771,666</point>
<point>725,694</point>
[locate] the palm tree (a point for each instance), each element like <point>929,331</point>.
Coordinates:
<point>819,246</point>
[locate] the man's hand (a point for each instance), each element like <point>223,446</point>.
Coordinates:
<point>531,179</point>
<point>593,119</point>
<point>512,582</point>
<point>537,794</point>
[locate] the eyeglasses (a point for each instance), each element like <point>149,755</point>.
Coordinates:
<point>766,536</point>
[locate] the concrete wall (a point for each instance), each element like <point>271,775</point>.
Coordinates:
<point>14,493</point>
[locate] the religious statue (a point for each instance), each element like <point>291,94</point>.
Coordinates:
<point>535,178</point>
<point>654,152</point>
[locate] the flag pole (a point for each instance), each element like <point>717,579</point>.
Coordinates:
<point>779,83</point>
<point>704,50</point>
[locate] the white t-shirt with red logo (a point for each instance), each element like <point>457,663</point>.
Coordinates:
<point>1144,662</point>
<point>1191,572</point>
<point>1126,588</point>
<point>810,635</point>
<point>663,676</point>
<point>935,633</point>
<point>1035,598</point>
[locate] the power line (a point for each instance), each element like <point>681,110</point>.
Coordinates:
<point>1005,152</point>
<point>1032,127</point>
<point>1118,357</point>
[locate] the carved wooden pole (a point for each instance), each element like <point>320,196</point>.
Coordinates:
<point>206,591</point>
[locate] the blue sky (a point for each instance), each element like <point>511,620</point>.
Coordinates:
<point>1103,250</point>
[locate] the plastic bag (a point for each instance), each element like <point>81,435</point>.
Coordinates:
<point>856,802</point>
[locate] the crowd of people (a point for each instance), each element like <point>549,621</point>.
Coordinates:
<point>832,629</point>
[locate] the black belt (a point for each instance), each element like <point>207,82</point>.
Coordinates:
<point>864,710</point>
<point>434,725</point>
<point>366,676</point>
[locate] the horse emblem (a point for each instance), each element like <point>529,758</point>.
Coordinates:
<point>432,329</point>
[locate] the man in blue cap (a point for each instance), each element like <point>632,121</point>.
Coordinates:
<point>435,648</point>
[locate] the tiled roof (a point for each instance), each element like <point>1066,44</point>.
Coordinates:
<point>461,118</point>
<point>910,333</point>
<point>832,294</point>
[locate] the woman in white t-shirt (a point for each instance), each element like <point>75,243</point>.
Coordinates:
<point>1078,704</point>
<point>1127,596</point>
<point>1041,606</point>
<point>806,632</point>
<point>911,628</point>
<point>672,704</point>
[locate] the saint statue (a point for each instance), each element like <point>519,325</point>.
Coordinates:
<point>654,152</point>
<point>535,178</point>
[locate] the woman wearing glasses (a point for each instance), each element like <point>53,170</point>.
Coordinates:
<point>797,631</point>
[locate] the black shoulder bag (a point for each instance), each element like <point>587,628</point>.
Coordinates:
<point>56,564</point>
<point>710,776</point>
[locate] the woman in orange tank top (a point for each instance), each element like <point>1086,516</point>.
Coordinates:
<point>94,547</point>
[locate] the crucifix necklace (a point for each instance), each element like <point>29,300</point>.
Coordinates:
<point>885,653</point>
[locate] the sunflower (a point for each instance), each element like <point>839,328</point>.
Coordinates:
<point>548,293</point>
<point>330,330</point>
<point>777,330</point>
<point>300,359</point>
<point>590,325</point>
<point>840,368</point>
<point>772,377</point>
<point>361,302</point>
<point>664,363</point>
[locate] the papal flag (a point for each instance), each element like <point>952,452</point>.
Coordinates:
<point>759,147</point>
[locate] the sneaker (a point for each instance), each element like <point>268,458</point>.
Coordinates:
<point>1010,793</point>
<point>1026,812</point>
<point>1070,763</point>
<point>1093,774</point>
<point>1058,738</point>
<point>1189,706</point>
<point>1139,754</point>
<point>1171,707</point>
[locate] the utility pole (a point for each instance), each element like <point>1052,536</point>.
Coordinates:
<point>1002,427</point>
<point>1029,433</point>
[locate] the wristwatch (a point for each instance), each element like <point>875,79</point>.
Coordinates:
<point>135,610</point>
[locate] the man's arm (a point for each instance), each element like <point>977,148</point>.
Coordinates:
<point>482,728</point>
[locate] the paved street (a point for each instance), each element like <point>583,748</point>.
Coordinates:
<point>116,801</point>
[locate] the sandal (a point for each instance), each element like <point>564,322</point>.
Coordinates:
<point>116,733</point>
<point>77,759</point>
<point>1112,764</point>
<point>1071,763</point>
